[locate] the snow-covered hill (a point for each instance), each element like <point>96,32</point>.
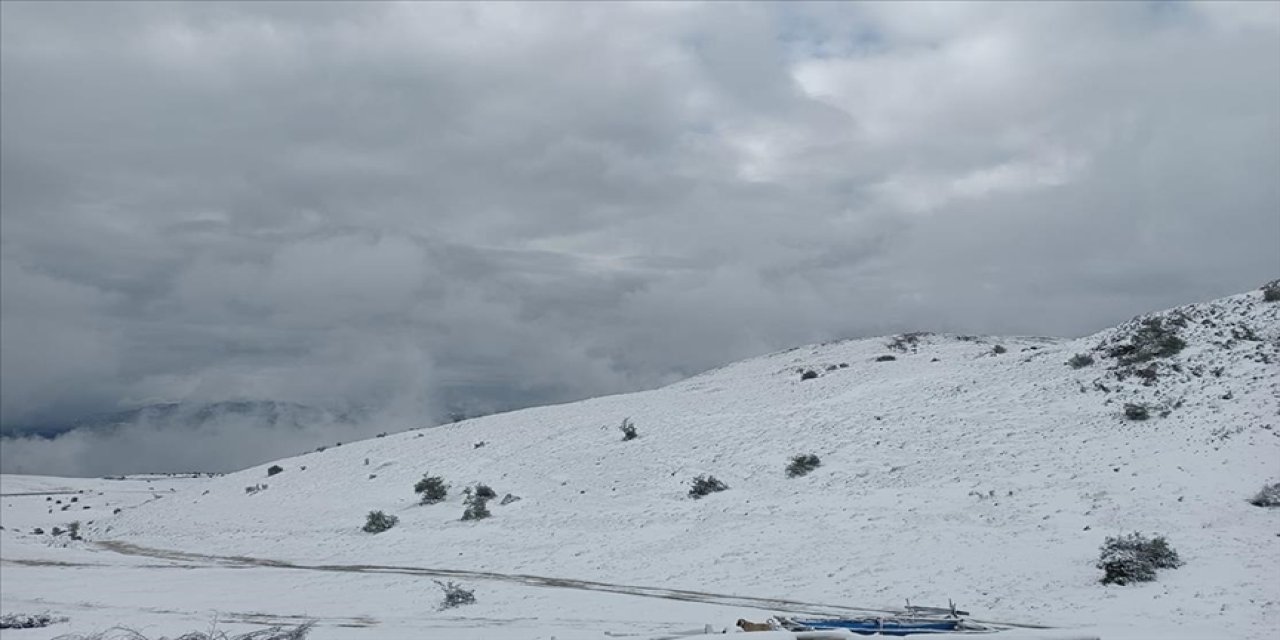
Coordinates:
<point>983,470</point>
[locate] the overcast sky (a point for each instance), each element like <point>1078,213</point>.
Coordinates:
<point>421,207</point>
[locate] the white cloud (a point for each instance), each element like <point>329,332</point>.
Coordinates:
<point>432,205</point>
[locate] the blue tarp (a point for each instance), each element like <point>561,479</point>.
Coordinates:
<point>869,626</point>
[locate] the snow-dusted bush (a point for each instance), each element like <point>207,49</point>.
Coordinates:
<point>377,522</point>
<point>628,430</point>
<point>1271,291</point>
<point>885,358</point>
<point>1155,337</point>
<point>274,469</point>
<point>808,374</point>
<point>477,501</point>
<point>998,349</point>
<point>28,620</point>
<point>1268,497</point>
<point>1135,411</point>
<point>432,489</point>
<point>455,595</point>
<point>802,464</point>
<point>1135,558</point>
<point>706,485</point>
<point>1080,360</point>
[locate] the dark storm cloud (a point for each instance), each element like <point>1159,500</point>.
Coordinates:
<point>425,206</point>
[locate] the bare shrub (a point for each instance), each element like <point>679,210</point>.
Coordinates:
<point>628,430</point>
<point>455,595</point>
<point>298,632</point>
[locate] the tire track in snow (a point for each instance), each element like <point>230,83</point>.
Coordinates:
<point>775,604</point>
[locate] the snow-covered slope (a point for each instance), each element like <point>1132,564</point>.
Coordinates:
<point>982,470</point>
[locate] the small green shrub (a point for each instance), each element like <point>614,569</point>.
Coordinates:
<point>706,485</point>
<point>477,502</point>
<point>377,522</point>
<point>1133,411</point>
<point>432,489</point>
<point>1080,360</point>
<point>1135,558</point>
<point>802,464</point>
<point>1268,497</point>
<point>628,430</point>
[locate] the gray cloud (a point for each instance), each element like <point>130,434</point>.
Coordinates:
<point>428,206</point>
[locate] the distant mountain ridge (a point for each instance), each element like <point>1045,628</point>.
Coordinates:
<point>268,413</point>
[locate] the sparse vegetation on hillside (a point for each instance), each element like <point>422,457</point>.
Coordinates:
<point>1155,337</point>
<point>802,464</point>
<point>274,469</point>
<point>431,489</point>
<point>1269,496</point>
<point>808,374</point>
<point>906,342</point>
<point>998,349</point>
<point>628,430</point>
<point>706,485</point>
<point>28,621</point>
<point>1135,558</point>
<point>377,522</point>
<point>1080,360</point>
<point>885,358</point>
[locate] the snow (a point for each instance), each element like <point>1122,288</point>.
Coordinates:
<point>952,472</point>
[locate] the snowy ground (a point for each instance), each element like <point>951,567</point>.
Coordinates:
<point>955,471</point>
